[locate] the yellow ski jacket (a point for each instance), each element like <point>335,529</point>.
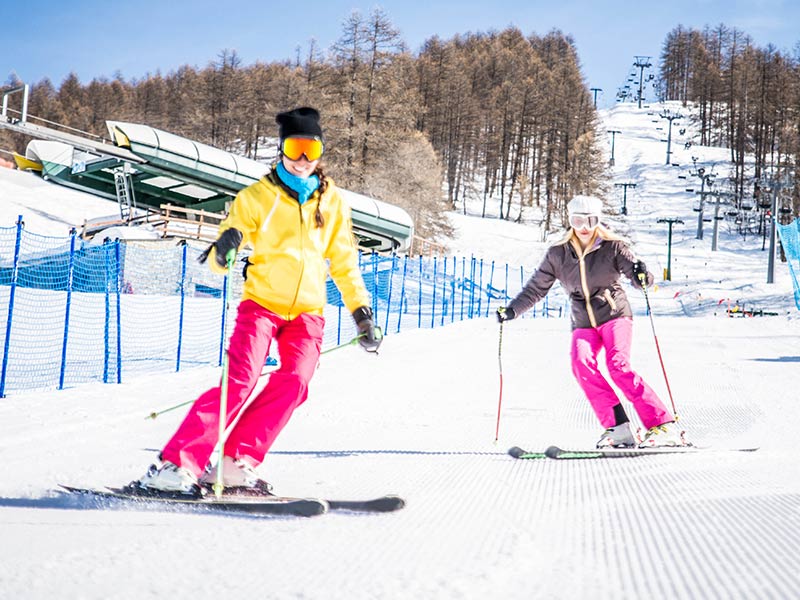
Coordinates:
<point>291,255</point>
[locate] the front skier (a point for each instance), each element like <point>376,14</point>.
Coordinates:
<point>300,229</point>
<point>588,262</point>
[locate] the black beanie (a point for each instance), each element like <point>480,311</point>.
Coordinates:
<point>303,121</point>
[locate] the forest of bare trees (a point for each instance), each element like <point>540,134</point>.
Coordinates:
<point>510,116</point>
<point>487,114</point>
<point>494,115</point>
<point>747,99</point>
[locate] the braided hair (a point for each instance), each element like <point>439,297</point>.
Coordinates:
<point>319,220</point>
<point>323,185</point>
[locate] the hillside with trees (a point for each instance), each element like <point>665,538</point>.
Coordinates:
<point>478,115</point>
<point>499,115</point>
<point>746,99</point>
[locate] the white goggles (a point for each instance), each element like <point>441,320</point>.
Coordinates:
<point>584,221</point>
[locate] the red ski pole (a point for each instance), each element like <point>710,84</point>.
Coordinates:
<point>500,398</point>
<point>643,279</point>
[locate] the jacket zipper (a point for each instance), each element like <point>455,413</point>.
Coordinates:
<point>302,262</point>
<point>584,283</point>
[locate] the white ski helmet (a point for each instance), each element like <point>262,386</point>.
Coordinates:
<point>585,205</point>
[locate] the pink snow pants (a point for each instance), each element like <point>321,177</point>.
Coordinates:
<point>615,338</point>
<point>299,343</point>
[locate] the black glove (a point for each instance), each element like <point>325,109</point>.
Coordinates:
<point>227,241</point>
<point>505,313</point>
<point>370,337</point>
<point>641,275</point>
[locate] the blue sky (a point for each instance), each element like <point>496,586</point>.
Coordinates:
<point>51,38</point>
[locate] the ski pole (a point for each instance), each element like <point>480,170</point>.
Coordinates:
<point>643,280</point>
<point>224,437</point>
<point>500,398</point>
<point>219,486</point>
<point>158,413</point>
<point>352,342</point>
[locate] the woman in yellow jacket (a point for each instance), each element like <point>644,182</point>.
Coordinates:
<point>297,224</point>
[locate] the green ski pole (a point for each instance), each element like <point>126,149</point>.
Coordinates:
<point>157,413</point>
<point>219,486</point>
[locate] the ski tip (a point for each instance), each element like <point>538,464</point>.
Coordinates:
<point>391,503</point>
<point>521,453</point>
<point>308,508</point>
<point>516,451</point>
<point>388,503</point>
<point>553,452</point>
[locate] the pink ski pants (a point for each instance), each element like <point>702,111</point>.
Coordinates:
<point>299,343</point>
<point>615,338</point>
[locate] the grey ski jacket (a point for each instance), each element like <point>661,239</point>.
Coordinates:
<point>590,277</point>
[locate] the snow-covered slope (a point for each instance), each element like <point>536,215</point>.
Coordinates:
<point>703,281</point>
<point>419,420</point>
<point>47,208</point>
<point>701,278</point>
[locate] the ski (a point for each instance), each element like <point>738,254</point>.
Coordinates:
<point>518,452</point>
<point>569,454</point>
<point>248,501</point>
<point>387,503</point>
<point>263,505</point>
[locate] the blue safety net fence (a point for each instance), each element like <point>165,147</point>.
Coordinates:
<point>790,238</point>
<point>73,311</point>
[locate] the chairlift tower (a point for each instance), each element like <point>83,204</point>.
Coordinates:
<point>670,221</point>
<point>776,186</point>
<point>642,63</point>
<point>669,116</point>
<point>613,133</point>
<point>594,91</point>
<point>625,187</point>
<point>706,179</point>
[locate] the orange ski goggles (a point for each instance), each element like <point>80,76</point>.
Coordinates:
<point>295,147</point>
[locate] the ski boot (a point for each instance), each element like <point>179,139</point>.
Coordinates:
<point>619,436</point>
<point>238,477</point>
<point>666,434</point>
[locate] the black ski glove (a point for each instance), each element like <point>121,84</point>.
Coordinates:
<point>370,337</point>
<point>505,313</point>
<point>642,276</point>
<point>227,241</point>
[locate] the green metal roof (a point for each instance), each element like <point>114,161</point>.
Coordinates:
<point>166,168</point>
<point>164,151</point>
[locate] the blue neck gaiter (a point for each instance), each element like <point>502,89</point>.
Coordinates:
<point>304,186</point>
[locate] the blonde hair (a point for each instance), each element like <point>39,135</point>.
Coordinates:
<point>600,231</point>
